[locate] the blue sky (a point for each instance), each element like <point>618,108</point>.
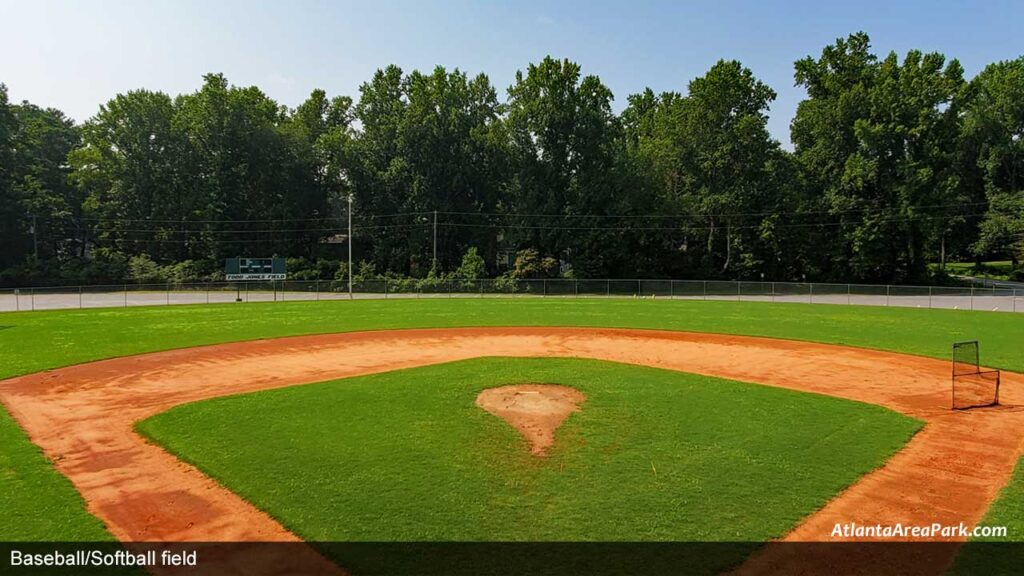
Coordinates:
<point>75,55</point>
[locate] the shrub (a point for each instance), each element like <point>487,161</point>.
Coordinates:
<point>143,270</point>
<point>472,267</point>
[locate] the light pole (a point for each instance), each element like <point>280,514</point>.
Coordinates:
<point>434,262</point>
<point>349,245</point>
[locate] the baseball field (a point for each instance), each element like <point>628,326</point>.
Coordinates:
<point>500,420</point>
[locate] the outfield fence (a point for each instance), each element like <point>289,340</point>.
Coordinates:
<point>127,295</point>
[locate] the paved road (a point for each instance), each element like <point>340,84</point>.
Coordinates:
<point>998,300</point>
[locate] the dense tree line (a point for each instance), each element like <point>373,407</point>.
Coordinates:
<point>898,162</point>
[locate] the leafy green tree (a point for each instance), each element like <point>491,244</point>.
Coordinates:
<point>378,173</point>
<point>565,151</point>
<point>11,233</point>
<point>718,169</point>
<point>127,173</point>
<point>993,127</point>
<point>727,156</point>
<point>450,140</point>
<point>42,142</point>
<point>251,174</point>
<point>428,142</point>
<point>878,138</point>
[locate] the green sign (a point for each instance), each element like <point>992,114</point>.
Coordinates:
<point>255,269</point>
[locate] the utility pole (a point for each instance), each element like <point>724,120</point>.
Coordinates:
<point>434,264</point>
<point>349,245</point>
<point>35,238</point>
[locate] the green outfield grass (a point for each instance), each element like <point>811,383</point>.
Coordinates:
<point>653,455</point>
<point>35,341</point>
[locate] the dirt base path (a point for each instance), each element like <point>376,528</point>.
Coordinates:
<point>82,417</point>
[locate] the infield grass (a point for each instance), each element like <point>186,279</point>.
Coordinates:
<point>36,501</point>
<point>653,455</point>
<point>31,491</point>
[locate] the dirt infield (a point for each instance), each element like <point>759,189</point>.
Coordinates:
<point>82,417</point>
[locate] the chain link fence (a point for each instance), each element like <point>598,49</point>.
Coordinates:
<point>993,298</point>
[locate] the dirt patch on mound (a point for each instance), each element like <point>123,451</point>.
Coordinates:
<point>536,410</point>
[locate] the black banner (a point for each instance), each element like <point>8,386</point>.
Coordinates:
<point>509,558</point>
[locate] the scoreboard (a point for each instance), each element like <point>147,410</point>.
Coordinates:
<point>255,269</point>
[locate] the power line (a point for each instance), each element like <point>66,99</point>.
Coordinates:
<point>710,215</point>
<point>528,215</point>
<point>254,221</point>
<point>299,232</point>
<point>692,228</point>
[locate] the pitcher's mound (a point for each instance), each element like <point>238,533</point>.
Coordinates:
<point>536,410</point>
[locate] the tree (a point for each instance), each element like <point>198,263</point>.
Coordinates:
<point>993,128</point>
<point>450,142</point>
<point>428,142</point>
<point>11,218</point>
<point>127,173</point>
<point>42,142</point>
<point>252,175</point>
<point>564,140</point>
<point>719,170</point>
<point>879,140</point>
<point>377,173</point>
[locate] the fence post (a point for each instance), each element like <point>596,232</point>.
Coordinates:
<point>739,290</point>
<point>1014,298</point>
<point>246,292</point>
<point>608,287</point>
<point>317,288</point>
<point>929,297</point>
<point>576,288</point>
<point>671,289</point>
<point>545,288</point>
<point>125,295</point>
<point>773,291</point>
<point>168,293</point>
<point>887,295</point>
<point>32,297</point>
<point>207,292</point>
<point>810,293</point>
<point>79,297</point>
<point>385,288</point>
<point>972,298</point>
<point>639,293</point>
<point>848,294</point>
<point>705,297</point>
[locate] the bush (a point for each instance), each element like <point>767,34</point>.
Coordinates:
<point>529,264</point>
<point>472,267</point>
<point>143,270</point>
<point>506,283</point>
<point>186,272</point>
<point>105,267</point>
